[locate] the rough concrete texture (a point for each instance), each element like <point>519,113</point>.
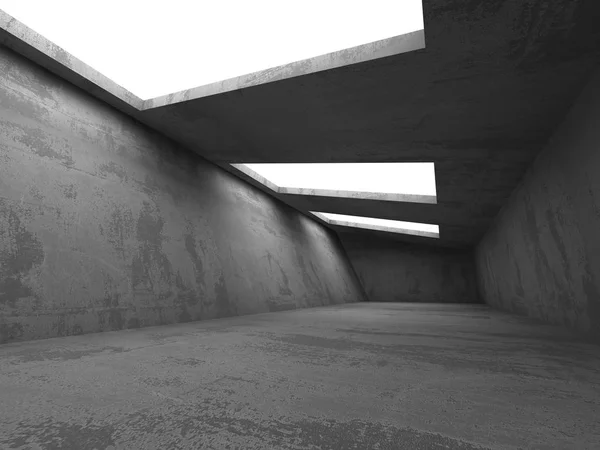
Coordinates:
<point>399,272</point>
<point>32,45</point>
<point>480,100</point>
<point>355,376</point>
<point>377,196</point>
<point>395,45</point>
<point>403,211</point>
<point>27,42</point>
<point>542,256</point>
<point>105,224</point>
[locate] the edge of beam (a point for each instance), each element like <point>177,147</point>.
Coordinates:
<point>375,50</point>
<point>381,196</point>
<point>405,198</point>
<point>27,42</point>
<point>343,223</point>
<point>21,39</point>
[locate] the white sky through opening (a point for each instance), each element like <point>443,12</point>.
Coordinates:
<point>382,222</point>
<point>154,48</point>
<point>389,178</point>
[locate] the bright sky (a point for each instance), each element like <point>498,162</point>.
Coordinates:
<point>157,47</point>
<point>382,222</point>
<point>390,178</point>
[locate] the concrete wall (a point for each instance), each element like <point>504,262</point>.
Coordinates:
<point>392,271</point>
<point>105,224</point>
<point>541,258</point>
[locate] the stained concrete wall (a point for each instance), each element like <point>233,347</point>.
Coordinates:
<point>106,225</point>
<point>393,271</point>
<point>541,258</point>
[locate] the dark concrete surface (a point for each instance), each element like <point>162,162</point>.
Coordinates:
<point>480,101</point>
<point>402,272</point>
<point>542,256</point>
<point>106,224</point>
<point>357,376</point>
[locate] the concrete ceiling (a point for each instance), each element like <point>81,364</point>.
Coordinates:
<point>481,100</point>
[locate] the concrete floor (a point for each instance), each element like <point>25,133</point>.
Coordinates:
<point>363,376</point>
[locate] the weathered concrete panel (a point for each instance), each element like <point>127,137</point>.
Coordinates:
<point>393,271</point>
<point>480,101</point>
<point>542,256</point>
<point>106,225</point>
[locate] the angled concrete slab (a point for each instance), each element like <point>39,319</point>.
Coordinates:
<point>480,101</point>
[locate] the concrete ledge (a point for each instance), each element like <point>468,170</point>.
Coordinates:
<point>380,196</point>
<point>35,47</point>
<point>354,55</point>
<point>25,41</point>
<point>244,169</point>
<point>343,223</point>
<point>407,198</point>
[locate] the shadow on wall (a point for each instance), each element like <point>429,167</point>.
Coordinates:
<point>541,258</point>
<point>107,225</point>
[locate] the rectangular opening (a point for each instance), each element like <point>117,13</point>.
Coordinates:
<point>371,223</point>
<point>157,48</point>
<point>408,182</point>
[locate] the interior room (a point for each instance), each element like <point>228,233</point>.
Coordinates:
<point>251,226</point>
